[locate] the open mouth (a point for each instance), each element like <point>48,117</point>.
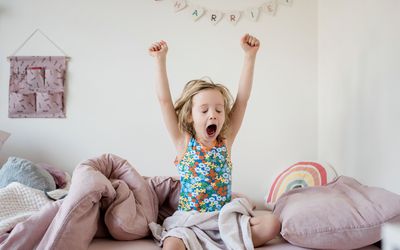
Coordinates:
<point>211,130</point>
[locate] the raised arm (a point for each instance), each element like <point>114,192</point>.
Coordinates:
<point>159,51</point>
<point>250,46</point>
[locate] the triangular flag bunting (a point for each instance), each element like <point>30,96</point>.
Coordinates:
<point>253,13</point>
<point>215,16</point>
<point>233,17</point>
<point>270,7</point>
<point>286,2</point>
<point>179,5</point>
<point>197,12</point>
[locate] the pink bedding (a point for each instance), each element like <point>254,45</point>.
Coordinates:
<point>108,197</point>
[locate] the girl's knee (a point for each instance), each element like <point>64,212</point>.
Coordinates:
<point>272,224</point>
<point>275,225</point>
<point>264,228</point>
<point>173,243</point>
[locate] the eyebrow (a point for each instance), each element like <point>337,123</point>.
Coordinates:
<point>206,105</point>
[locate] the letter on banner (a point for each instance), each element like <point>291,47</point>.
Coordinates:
<point>214,16</point>
<point>252,14</point>
<point>197,12</point>
<point>270,7</point>
<point>179,5</point>
<point>233,17</point>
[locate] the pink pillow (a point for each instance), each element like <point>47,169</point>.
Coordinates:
<point>60,178</point>
<point>341,215</point>
<point>299,175</point>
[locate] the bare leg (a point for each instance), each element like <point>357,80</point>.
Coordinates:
<point>264,228</point>
<point>173,243</point>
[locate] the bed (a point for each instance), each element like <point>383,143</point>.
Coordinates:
<point>344,214</point>
<point>148,244</point>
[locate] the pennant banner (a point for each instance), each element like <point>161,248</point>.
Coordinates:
<point>213,16</point>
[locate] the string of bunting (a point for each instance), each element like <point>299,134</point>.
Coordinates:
<point>214,16</point>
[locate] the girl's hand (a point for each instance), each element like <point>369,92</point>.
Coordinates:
<point>159,49</point>
<point>250,44</point>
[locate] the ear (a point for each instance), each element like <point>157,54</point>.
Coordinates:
<point>190,118</point>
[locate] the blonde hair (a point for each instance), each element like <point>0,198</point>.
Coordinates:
<point>183,105</point>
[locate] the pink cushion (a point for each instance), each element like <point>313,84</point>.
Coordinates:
<point>341,215</point>
<point>60,177</point>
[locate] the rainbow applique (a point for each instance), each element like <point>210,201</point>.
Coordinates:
<point>300,175</point>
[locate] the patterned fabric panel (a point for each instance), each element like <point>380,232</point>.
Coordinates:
<point>206,178</point>
<point>37,86</point>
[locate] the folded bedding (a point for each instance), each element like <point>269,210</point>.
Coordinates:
<point>18,202</point>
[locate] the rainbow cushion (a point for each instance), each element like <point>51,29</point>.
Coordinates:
<point>300,175</point>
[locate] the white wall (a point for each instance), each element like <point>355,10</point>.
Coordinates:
<point>359,87</point>
<point>110,98</point>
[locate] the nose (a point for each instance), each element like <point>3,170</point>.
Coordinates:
<point>212,116</point>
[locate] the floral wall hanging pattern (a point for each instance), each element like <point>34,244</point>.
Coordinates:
<point>37,86</point>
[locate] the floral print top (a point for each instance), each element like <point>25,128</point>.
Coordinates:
<point>205,175</point>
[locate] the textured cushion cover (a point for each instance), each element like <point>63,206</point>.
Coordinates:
<point>300,175</point>
<point>25,172</point>
<point>341,215</point>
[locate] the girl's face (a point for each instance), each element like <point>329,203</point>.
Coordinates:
<point>208,115</point>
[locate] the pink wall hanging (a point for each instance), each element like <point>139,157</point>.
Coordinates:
<point>36,88</point>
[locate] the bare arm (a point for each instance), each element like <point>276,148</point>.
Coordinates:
<point>159,51</point>
<point>250,46</point>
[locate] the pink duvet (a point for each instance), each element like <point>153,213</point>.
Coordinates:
<point>108,197</point>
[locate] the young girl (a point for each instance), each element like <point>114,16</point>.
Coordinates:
<point>203,125</point>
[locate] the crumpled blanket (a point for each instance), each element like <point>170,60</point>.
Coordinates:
<point>107,197</point>
<point>226,229</point>
<point>18,202</point>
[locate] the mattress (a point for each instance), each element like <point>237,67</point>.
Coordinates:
<point>148,244</point>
